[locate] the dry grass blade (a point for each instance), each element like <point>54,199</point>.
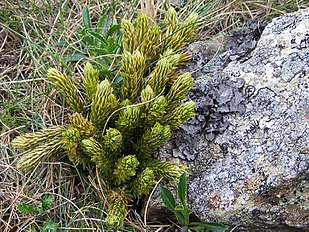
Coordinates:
<point>148,7</point>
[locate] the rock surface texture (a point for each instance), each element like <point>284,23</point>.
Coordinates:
<point>247,147</point>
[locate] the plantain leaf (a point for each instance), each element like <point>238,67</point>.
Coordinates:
<point>181,217</point>
<point>167,198</point>
<point>182,189</point>
<point>98,36</point>
<point>113,30</point>
<point>86,17</point>
<point>102,20</point>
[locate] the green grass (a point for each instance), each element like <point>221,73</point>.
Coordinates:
<point>37,35</point>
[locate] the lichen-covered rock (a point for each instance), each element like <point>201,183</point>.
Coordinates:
<point>212,56</point>
<point>247,146</point>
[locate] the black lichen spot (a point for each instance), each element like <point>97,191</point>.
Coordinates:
<point>283,198</point>
<point>266,129</point>
<point>253,128</point>
<point>304,43</point>
<point>258,214</point>
<point>224,148</point>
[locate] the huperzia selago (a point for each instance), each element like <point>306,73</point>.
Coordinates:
<point>117,131</point>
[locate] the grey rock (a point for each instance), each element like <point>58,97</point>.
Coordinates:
<point>247,146</point>
<point>212,56</point>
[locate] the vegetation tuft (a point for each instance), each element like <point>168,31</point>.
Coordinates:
<point>117,131</point>
<point>182,212</point>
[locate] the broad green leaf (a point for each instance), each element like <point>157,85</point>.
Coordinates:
<point>106,73</point>
<point>182,189</point>
<point>111,45</point>
<point>86,17</point>
<point>167,198</point>
<point>185,214</point>
<point>88,39</point>
<point>102,20</point>
<point>113,29</point>
<point>189,211</point>
<point>98,36</point>
<point>180,208</point>
<point>185,211</point>
<point>211,226</point>
<point>26,208</point>
<point>181,218</point>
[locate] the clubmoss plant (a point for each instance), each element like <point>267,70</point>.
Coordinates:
<point>117,131</point>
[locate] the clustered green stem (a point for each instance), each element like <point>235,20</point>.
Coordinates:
<point>118,133</point>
